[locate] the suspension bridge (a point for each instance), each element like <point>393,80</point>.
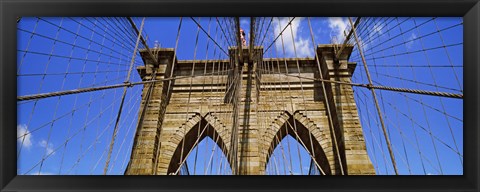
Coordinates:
<point>240,96</point>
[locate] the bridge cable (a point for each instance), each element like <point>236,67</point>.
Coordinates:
<point>115,130</point>
<point>342,171</point>
<point>375,99</point>
<point>188,101</point>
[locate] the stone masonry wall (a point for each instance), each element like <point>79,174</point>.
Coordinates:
<point>271,106</point>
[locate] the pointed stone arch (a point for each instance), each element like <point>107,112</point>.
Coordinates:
<point>315,140</point>
<point>187,136</point>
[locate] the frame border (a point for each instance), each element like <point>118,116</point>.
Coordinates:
<point>10,9</point>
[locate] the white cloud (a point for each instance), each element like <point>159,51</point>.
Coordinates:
<point>340,27</point>
<point>378,28</point>
<point>411,40</point>
<point>24,137</point>
<point>373,35</point>
<point>48,147</point>
<point>302,44</point>
<point>337,27</point>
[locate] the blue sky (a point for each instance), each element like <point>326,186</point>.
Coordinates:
<point>72,132</point>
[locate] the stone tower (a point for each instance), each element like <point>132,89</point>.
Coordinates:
<point>247,105</point>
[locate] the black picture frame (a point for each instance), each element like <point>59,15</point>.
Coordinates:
<point>10,9</point>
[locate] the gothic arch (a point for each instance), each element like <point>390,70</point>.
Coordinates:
<point>317,141</point>
<point>196,128</point>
